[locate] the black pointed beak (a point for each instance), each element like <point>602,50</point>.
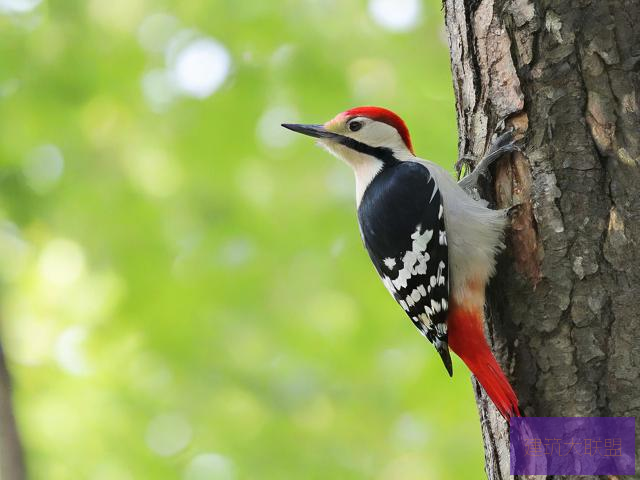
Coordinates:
<point>316,131</point>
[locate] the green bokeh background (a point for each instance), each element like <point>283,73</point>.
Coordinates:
<point>190,298</point>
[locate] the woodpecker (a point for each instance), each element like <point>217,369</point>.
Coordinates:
<point>431,243</point>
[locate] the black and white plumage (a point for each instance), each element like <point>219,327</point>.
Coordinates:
<point>402,224</point>
<point>432,244</point>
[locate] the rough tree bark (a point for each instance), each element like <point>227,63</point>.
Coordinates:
<point>11,455</point>
<point>565,321</point>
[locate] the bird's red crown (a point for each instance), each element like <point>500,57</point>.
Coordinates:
<point>383,115</point>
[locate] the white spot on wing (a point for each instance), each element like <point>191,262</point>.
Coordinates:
<point>445,304</point>
<point>441,277</point>
<point>415,260</point>
<point>389,284</point>
<point>422,291</point>
<point>415,295</point>
<point>425,319</point>
<point>435,306</point>
<point>390,263</point>
<point>443,238</point>
<point>440,212</point>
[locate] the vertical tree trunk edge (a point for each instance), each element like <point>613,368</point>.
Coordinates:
<point>12,466</point>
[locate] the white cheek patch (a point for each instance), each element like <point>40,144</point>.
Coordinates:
<point>377,134</point>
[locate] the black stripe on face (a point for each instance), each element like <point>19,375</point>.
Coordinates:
<point>383,154</point>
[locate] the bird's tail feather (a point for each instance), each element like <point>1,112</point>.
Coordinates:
<point>467,340</point>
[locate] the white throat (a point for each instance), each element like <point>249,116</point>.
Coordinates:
<point>365,171</point>
<point>365,167</point>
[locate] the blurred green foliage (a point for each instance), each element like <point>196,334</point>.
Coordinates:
<point>184,291</point>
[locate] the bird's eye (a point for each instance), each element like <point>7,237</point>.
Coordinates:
<point>355,126</point>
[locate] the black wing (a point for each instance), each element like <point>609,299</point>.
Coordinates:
<point>402,224</point>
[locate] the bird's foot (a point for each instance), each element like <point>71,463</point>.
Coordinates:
<point>501,144</point>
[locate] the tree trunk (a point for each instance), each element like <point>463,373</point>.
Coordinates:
<point>564,320</point>
<point>11,456</point>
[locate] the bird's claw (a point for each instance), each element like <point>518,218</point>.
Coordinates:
<point>503,142</point>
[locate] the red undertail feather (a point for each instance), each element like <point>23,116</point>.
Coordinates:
<point>467,340</point>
